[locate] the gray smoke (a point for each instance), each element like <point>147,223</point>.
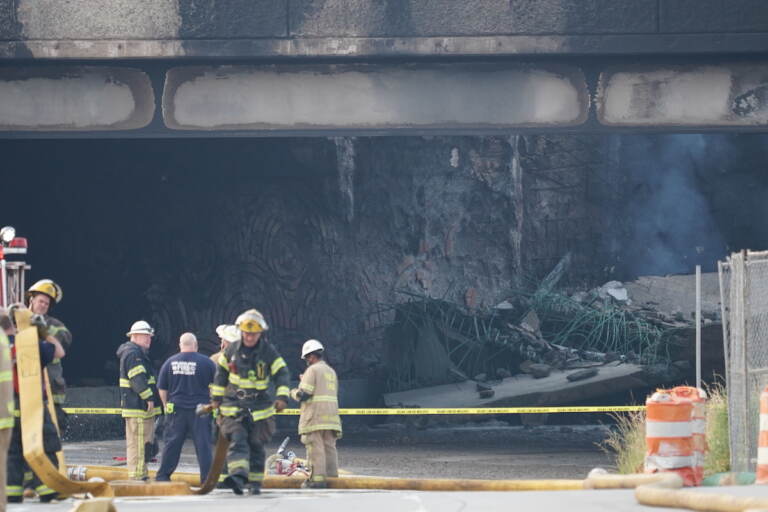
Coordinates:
<point>669,219</point>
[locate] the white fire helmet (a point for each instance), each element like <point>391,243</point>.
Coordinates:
<point>310,346</point>
<point>228,333</point>
<point>141,327</point>
<point>251,321</point>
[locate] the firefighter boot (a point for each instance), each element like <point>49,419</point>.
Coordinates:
<point>236,483</point>
<point>314,484</point>
<point>47,498</point>
<point>254,488</point>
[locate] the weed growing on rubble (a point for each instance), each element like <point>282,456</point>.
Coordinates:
<point>626,441</point>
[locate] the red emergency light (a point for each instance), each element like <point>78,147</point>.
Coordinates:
<point>19,243</point>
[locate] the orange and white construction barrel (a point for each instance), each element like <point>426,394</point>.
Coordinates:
<point>698,398</point>
<point>669,436</point>
<point>762,441</point>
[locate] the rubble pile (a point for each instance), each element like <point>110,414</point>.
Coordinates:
<point>433,341</point>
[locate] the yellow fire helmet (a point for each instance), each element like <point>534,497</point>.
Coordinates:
<point>47,287</point>
<point>251,321</point>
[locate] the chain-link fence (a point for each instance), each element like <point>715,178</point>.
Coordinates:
<point>744,299</point>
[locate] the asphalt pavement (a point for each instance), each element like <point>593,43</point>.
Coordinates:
<point>395,501</point>
<point>496,452</point>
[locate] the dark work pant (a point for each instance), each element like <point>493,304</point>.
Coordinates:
<point>177,426</point>
<point>17,466</point>
<point>246,455</point>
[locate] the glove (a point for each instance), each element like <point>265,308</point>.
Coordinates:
<point>280,405</point>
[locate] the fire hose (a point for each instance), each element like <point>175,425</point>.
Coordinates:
<point>664,490</point>
<point>31,411</point>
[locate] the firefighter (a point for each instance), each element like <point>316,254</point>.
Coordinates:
<point>183,384</point>
<point>6,401</point>
<point>319,423</point>
<point>41,296</point>
<point>240,392</point>
<point>227,334</point>
<point>50,348</point>
<point>139,399</point>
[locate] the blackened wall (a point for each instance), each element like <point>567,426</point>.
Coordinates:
<point>324,236</point>
<point>349,28</point>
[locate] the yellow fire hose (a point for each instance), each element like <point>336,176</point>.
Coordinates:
<point>31,409</point>
<point>666,494</point>
<point>356,482</point>
<point>600,480</point>
<point>663,490</point>
<point>82,473</point>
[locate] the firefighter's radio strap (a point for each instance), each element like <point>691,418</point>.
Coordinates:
<point>31,404</point>
<point>31,412</point>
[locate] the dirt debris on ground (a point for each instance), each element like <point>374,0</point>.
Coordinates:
<point>490,450</point>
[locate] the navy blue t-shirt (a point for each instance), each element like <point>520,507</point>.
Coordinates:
<point>186,376</point>
<point>47,350</point>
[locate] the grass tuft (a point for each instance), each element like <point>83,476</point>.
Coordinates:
<point>718,458</point>
<point>626,442</point>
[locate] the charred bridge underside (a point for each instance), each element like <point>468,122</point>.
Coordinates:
<point>325,236</point>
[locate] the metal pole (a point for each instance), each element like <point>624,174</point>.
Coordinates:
<point>698,326</point>
<point>746,311</point>
<point>724,308</point>
<point>4,283</point>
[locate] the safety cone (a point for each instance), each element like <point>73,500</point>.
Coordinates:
<point>762,441</point>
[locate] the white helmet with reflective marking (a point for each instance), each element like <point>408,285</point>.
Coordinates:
<point>309,347</point>
<point>141,327</point>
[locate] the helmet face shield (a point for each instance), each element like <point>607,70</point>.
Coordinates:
<point>46,287</point>
<point>251,321</point>
<point>250,326</point>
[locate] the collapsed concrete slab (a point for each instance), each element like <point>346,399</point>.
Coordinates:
<point>676,294</point>
<point>525,390</point>
<point>75,98</point>
<point>373,97</point>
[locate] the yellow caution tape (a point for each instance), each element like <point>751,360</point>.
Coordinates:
<point>91,410</point>
<point>487,410</point>
<point>414,411</point>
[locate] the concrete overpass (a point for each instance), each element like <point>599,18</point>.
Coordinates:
<point>176,68</point>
